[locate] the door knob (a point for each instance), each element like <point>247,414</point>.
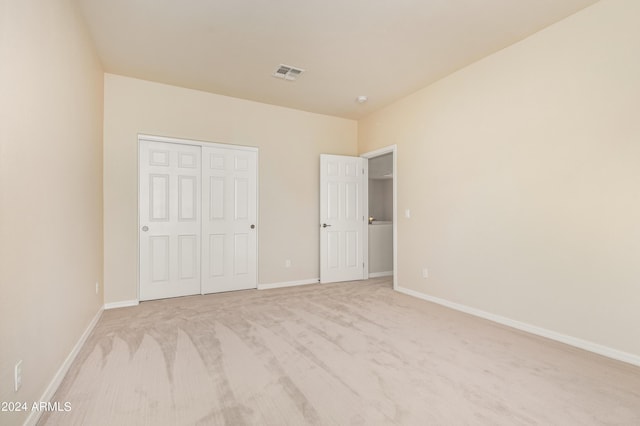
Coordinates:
<point>324,225</point>
<point>145,228</point>
<point>253,226</point>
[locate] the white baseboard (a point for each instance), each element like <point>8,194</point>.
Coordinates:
<point>62,371</point>
<point>380,274</point>
<point>122,304</point>
<point>288,284</point>
<point>539,331</point>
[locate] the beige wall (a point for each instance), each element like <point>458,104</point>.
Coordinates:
<point>522,173</point>
<point>51,87</point>
<point>290,144</point>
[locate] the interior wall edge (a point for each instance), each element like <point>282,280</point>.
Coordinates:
<point>288,284</point>
<point>121,304</point>
<point>529,328</point>
<point>51,389</point>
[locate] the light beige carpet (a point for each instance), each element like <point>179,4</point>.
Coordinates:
<point>337,354</point>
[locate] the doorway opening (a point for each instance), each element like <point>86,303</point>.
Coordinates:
<point>381,238</point>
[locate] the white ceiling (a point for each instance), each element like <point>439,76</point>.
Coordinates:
<point>384,49</point>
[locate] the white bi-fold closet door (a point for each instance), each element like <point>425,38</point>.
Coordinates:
<point>197,218</point>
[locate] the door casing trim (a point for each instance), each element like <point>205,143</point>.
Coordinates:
<point>393,149</point>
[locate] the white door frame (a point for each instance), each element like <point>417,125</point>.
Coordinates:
<point>393,149</point>
<point>153,138</point>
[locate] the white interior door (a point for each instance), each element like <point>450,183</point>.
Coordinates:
<point>169,209</point>
<point>342,217</point>
<point>229,211</point>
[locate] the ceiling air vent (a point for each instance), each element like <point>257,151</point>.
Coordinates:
<point>287,72</point>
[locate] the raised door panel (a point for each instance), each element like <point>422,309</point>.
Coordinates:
<point>159,258</point>
<point>333,250</point>
<point>216,198</point>
<point>241,199</point>
<point>241,254</point>
<point>188,196</point>
<point>216,256</point>
<point>159,197</point>
<point>187,256</point>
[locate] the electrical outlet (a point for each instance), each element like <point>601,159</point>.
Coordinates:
<point>407,214</point>
<point>425,273</point>
<point>97,287</point>
<point>287,263</point>
<point>17,375</point>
